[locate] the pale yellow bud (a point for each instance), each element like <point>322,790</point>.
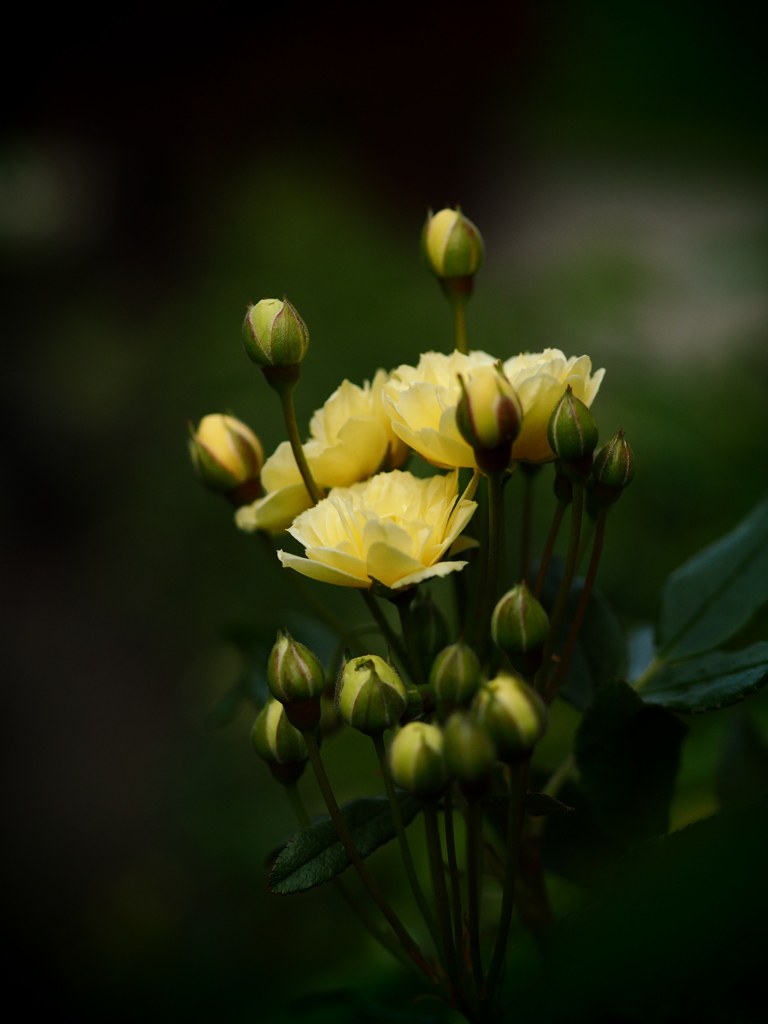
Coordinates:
<point>452,245</point>
<point>225,453</point>
<point>416,759</point>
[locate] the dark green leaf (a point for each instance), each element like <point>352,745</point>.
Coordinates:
<point>742,774</point>
<point>575,846</point>
<point>685,915</point>
<point>627,753</point>
<point>314,854</point>
<point>710,681</point>
<point>601,649</point>
<point>711,597</point>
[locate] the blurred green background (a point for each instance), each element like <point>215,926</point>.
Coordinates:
<point>154,183</point>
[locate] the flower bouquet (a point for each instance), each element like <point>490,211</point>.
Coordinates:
<point>459,698</point>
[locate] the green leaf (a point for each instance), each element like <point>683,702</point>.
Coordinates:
<point>314,855</point>
<point>710,681</point>
<point>684,914</point>
<point>575,846</point>
<point>710,598</point>
<point>628,753</point>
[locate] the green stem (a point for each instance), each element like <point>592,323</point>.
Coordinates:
<point>474,879</point>
<point>586,540</point>
<point>581,608</point>
<point>320,609</point>
<point>561,604</point>
<point>440,891</point>
<point>478,581</point>
<point>289,415</point>
<point>517,776</point>
<point>382,937</point>
<point>356,860</point>
<point>530,472</point>
<point>559,776</point>
<point>382,622</point>
<point>453,870</point>
<point>549,547</point>
<point>403,605</point>
<point>459,306</point>
<point>643,679</point>
<point>405,850</point>
<point>493,551</point>
<point>297,804</point>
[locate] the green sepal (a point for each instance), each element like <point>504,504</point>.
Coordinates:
<point>314,855</point>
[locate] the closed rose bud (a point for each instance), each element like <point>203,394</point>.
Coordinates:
<point>416,759</point>
<point>370,695</point>
<point>455,675</point>
<point>296,679</point>
<point>613,469</point>
<point>513,713</point>
<point>520,627</point>
<point>489,416</point>
<point>572,432</point>
<point>227,456</point>
<point>452,244</point>
<point>278,743</point>
<point>468,748</point>
<point>274,334</point>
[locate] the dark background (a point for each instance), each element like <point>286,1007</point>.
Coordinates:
<point>157,173</point>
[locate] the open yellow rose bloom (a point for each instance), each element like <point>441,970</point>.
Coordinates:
<point>351,438</point>
<point>394,528</point>
<point>421,401</point>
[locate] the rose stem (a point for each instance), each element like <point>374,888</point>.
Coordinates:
<point>453,867</point>
<point>530,471</point>
<point>478,582</point>
<point>382,937</point>
<point>405,850</point>
<point>318,607</point>
<point>459,305</point>
<point>556,618</point>
<point>549,547</point>
<point>403,604</point>
<point>346,841</point>
<point>382,622</point>
<point>440,890</point>
<point>495,527</point>
<point>284,385</point>
<point>581,608</point>
<point>517,777</point>
<point>474,847</point>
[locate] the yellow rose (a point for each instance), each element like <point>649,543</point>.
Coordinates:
<point>540,379</point>
<point>394,528</point>
<point>351,438</point>
<point>422,400</point>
